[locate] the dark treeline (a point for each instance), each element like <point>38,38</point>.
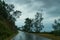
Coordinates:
<point>7,19</point>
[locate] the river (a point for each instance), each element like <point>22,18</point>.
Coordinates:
<point>27,36</point>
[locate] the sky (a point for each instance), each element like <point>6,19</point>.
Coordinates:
<point>51,11</point>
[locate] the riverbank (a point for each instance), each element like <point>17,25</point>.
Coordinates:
<point>50,36</point>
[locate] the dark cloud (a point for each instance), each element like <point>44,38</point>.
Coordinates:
<point>52,6</point>
<point>47,4</point>
<point>55,13</point>
<point>23,2</point>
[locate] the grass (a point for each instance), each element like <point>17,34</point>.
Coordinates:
<point>50,36</point>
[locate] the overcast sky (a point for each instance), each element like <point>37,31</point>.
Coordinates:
<point>51,10</point>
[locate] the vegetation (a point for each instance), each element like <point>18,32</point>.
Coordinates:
<point>47,35</point>
<point>54,35</point>
<point>7,20</point>
<point>28,24</point>
<point>7,23</point>
<point>56,27</point>
<point>36,23</point>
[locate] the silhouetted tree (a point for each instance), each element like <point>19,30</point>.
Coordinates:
<point>56,27</point>
<point>38,22</point>
<point>17,13</point>
<point>8,13</point>
<point>27,25</point>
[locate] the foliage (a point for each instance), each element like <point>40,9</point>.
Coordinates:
<point>38,22</point>
<point>7,20</point>
<point>4,32</point>
<point>56,27</point>
<point>34,23</point>
<point>27,26</point>
<point>6,9</point>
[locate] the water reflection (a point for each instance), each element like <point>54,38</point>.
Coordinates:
<point>27,36</point>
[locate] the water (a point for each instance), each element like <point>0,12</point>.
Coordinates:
<point>26,36</point>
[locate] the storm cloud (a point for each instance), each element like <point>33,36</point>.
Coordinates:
<point>52,7</point>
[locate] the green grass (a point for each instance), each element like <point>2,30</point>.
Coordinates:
<point>47,35</point>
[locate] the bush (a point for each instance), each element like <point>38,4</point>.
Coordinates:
<point>56,33</point>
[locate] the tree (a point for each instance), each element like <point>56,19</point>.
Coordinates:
<point>56,27</point>
<point>17,15</point>
<point>38,22</point>
<point>27,25</point>
<point>7,24</point>
<point>5,12</point>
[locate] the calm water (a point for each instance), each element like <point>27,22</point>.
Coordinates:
<point>27,36</point>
